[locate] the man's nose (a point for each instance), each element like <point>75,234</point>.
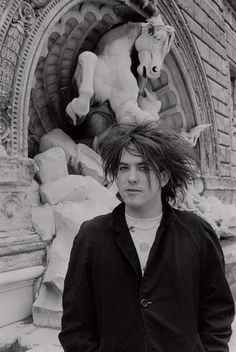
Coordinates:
<point>133,176</point>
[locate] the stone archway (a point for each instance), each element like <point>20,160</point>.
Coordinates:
<point>43,89</point>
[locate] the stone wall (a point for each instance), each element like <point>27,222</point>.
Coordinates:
<point>213,27</point>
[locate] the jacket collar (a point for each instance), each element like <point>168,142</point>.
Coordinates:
<point>124,240</point>
<point>118,221</point>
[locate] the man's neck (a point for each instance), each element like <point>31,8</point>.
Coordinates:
<point>140,213</point>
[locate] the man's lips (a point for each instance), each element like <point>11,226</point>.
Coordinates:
<point>131,190</point>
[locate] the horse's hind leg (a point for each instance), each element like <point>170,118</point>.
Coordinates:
<point>79,107</point>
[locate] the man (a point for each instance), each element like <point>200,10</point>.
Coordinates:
<point>146,277</point>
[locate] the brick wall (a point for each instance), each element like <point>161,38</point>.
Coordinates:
<point>213,26</point>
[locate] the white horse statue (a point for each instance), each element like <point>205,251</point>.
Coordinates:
<point>106,75</point>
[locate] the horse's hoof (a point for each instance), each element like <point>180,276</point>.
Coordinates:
<point>81,106</point>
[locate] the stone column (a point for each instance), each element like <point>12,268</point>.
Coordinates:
<point>22,252</point>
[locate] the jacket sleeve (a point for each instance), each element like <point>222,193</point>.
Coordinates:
<point>216,311</point>
<point>78,333</point>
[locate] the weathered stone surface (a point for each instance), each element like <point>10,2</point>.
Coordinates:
<point>14,285</point>
<point>34,194</point>
<point>52,165</point>
<point>15,171</point>
<point>97,192</point>
<point>69,217</point>
<point>43,221</point>
<point>24,336</point>
<point>71,187</point>
<point>76,188</point>
<point>222,217</point>
<point>47,310</point>
<point>89,161</point>
<point>58,138</point>
<point>22,260</point>
<point>14,209</point>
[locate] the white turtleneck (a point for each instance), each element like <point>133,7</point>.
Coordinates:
<point>143,232</point>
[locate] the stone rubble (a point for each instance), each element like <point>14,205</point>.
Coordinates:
<point>76,188</point>
<point>47,308</point>
<point>43,221</point>
<point>222,217</point>
<point>58,138</point>
<point>90,162</point>
<point>80,158</point>
<point>51,165</point>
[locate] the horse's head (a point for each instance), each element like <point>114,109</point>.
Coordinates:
<point>152,45</point>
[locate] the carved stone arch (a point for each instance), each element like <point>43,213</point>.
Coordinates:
<point>186,56</point>
<point>51,50</point>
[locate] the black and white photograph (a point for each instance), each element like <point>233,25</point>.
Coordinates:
<point>117,175</point>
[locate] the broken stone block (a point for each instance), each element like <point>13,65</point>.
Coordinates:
<point>43,221</point>
<point>76,188</point>
<point>52,165</point>
<point>97,192</point>
<point>58,138</point>
<point>71,187</point>
<point>47,309</point>
<point>89,162</point>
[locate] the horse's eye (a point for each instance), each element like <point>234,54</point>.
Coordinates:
<point>150,30</point>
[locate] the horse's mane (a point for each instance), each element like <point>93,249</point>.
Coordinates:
<point>120,31</point>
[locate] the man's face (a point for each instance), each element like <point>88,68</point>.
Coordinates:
<point>142,197</point>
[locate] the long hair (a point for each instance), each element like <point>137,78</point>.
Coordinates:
<point>161,150</point>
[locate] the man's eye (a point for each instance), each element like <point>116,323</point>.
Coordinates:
<point>144,168</point>
<point>123,168</point>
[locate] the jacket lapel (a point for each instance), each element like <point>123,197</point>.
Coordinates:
<point>167,217</point>
<point>126,245</point>
<point>124,240</point>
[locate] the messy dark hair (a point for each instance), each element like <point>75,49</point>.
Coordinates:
<point>161,150</point>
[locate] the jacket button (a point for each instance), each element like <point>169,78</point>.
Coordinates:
<point>145,302</point>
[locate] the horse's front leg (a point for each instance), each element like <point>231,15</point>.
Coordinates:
<point>79,107</point>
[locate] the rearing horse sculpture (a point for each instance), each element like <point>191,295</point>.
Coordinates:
<point>106,75</point>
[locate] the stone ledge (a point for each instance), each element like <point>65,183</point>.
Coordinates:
<point>14,171</point>
<point>16,276</point>
<point>219,183</point>
<point>17,293</point>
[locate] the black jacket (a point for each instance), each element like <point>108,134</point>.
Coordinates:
<point>182,303</point>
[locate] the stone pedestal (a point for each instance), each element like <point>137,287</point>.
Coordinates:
<point>22,251</point>
<point>17,285</point>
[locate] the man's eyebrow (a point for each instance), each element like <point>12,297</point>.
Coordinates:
<point>139,164</point>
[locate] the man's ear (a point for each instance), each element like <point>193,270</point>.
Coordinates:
<point>165,176</point>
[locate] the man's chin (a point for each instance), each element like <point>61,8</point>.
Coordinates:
<point>133,204</point>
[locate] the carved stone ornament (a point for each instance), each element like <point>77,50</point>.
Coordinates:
<point>38,4</point>
<point>4,128</point>
<point>11,205</point>
<point>3,5</point>
<point>26,13</point>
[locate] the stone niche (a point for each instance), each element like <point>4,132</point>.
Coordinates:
<point>40,41</point>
